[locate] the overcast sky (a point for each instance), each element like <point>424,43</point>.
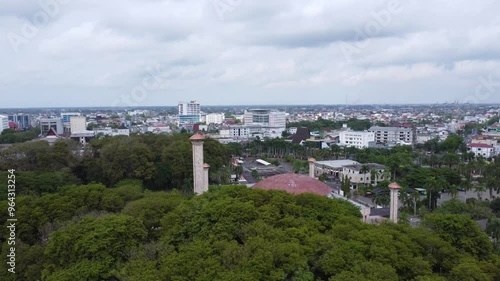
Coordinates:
<point>159,52</point>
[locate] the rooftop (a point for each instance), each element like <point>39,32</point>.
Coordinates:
<point>197,137</point>
<point>481,145</point>
<point>295,184</point>
<point>388,129</point>
<point>337,164</point>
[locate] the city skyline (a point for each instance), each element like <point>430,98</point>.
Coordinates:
<point>88,53</point>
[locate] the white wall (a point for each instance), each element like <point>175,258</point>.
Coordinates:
<point>78,123</point>
<point>4,123</point>
<point>356,139</point>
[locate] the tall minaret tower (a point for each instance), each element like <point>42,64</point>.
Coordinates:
<point>312,163</point>
<point>394,187</point>
<point>206,167</point>
<point>198,174</point>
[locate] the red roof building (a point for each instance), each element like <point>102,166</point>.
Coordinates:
<point>295,184</point>
<point>481,145</point>
<point>481,149</point>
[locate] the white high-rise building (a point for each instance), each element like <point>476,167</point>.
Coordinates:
<point>189,112</point>
<point>189,108</point>
<point>356,139</point>
<point>215,118</point>
<point>4,123</point>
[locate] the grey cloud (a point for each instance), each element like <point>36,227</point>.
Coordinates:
<point>259,52</point>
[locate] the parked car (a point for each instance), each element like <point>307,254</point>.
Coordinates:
<point>422,191</point>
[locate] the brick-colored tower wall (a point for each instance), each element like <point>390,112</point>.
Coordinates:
<point>198,175</point>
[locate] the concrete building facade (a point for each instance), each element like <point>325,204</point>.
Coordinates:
<point>215,118</point>
<point>265,117</point>
<point>56,123</point>
<point>4,123</point>
<point>189,112</point>
<point>481,150</point>
<point>356,139</point>
<point>393,135</point>
<point>78,123</point>
<point>22,120</point>
<point>248,132</point>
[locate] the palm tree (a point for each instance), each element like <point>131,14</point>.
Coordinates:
<point>346,186</point>
<point>382,199</point>
<point>454,191</point>
<point>480,188</point>
<point>374,174</point>
<point>335,151</point>
<point>363,171</point>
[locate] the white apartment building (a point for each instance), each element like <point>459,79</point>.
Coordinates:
<point>4,123</point>
<point>356,139</point>
<point>265,117</point>
<point>78,123</point>
<point>215,118</point>
<point>247,132</point>
<point>392,135</point>
<point>189,108</point>
<point>113,132</point>
<point>481,149</point>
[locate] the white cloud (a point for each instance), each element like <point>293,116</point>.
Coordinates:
<point>261,52</point>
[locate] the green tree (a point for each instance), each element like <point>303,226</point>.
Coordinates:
<point>462,232</point>
<point>346,186</point>
<point>91,247</point>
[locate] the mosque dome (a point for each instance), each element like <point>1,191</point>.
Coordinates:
<point>295,184</point>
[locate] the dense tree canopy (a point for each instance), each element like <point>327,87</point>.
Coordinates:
<point>160,162</point>
<point>13,136</point>
<point>231,233</point>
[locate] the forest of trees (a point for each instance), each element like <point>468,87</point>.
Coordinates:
<point>123,209</point>
<point>160,162</point>
<point>94,232</point>
<point>13,136</point>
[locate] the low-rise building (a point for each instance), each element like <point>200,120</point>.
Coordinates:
<point>356,139</point>
<point>56,123</point>
<point>393,135</point>
<point>481,149</point>
<point>215,118</point>
<point>357,173</point>
<point>249,132</point>
<point>365,174</point>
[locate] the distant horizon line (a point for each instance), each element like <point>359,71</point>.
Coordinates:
<point>254,105</point>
